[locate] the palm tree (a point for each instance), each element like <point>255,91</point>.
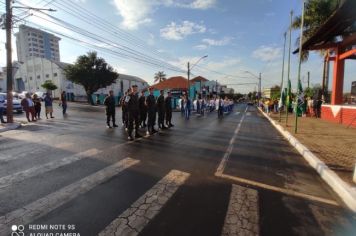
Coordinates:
<point>315,14</point>
<point>160,76</point>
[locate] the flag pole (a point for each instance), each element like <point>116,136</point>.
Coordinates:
<point>299,68</point>
<point>281,99</point>
<point>290,45</point>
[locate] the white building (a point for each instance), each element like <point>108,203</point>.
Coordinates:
<point>35,71</point>
<point>31,42</point>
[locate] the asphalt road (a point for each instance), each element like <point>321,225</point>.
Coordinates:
<point>205,176</point>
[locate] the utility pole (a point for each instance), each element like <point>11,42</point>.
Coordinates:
<point>284,52</point>
<point>290,45</point>
<point>299,69</point>
<point>308,78</point>
<point>188,92</point>
<point>259,87</point>
<point>8,26</point>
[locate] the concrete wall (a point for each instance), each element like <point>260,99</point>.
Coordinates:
<point>345,115</point>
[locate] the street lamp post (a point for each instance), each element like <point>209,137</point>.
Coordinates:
<point>190,68</point>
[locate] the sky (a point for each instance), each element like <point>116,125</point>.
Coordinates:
<point>241,38</point>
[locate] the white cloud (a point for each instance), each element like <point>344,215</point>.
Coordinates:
<point>174,31</point>
<point>221,42</point>
<point>267,53</point>
<point>139,12</point>
<point>201,47</point>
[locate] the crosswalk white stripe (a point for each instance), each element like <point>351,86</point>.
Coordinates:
<point>242,216</point>
<point>32,151</point>
<point>134,219</point>
<point>56,199</point>
<point>37,170</point>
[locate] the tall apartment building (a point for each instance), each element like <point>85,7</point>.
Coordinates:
<point>31,42</point>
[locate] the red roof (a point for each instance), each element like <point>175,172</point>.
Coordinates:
<point>177,82</point>
<point>199,78</point>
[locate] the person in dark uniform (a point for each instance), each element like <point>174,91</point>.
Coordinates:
<point>109,102</point>
<point>168,106</point>
<point>151,112</point>
<point>124,110</point>
<point>143,110</point>
<point>133,112</point>
<point>161,110</point>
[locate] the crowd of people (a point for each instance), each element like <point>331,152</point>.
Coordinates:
<point>140,111</point>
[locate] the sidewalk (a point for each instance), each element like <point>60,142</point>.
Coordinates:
<point>334,144</point>
<point>7,127</point>
<point>329,148</point>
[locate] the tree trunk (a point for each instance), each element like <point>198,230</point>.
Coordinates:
<point>90,98</point>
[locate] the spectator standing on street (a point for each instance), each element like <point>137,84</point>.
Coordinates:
<point>168,109</point>
<point>38,105</point>
<point>48,105</point>
<point>124,110</point>
<point>182,105</point>
<point>29,107</point>
<point>187,107</point>
<point>64,102</point>
<point>161,110</point>
<point>151,112</point>
<point>143,110</point>
<point>2,108</point>
<point>109,103</point>
<point>133,111</point>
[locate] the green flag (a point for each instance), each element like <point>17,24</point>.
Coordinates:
<point>289,94</point>
<point>300,96</point>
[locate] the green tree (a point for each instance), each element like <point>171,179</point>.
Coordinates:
<point>49,85</point>
<point>315,14</point>
<point>92,73</point>
<point>160,76</point>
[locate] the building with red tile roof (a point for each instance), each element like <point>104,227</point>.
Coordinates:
<point>173,83</point>
<point>199,79</point>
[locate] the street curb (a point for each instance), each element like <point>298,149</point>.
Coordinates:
<point>10,127</point>
<point>341,188</point>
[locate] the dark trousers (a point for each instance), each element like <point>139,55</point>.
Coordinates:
<point>30,110</point>
<point>151,120</point>
<point>124,117</point>
<point>64,108</point>
<point>38,112</point>
<point>109,116</point>
<point>168,117</point>
<point>161,118</point>
<point>143,118</point>
<point>1,115</point>
<point>133,119</point>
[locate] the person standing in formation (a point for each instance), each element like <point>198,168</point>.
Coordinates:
<point>168,106</point>
<point>160,109</point>
<point>48,105</point>
<point>124,110</point>
<point>143,110</point>
<point>109,103</point>
<point>133,112</point>
<point>151,112</point>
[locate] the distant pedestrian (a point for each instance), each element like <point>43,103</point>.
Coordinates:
<point>124,110</point>
<point>133,111</point>
<point>220,107</point>
<point>109,103</point>
<point>29,107</point>
<point>143,110</point>
<point>38,105</point>
<point>182,105</point>
<point>48,105</point>
<point>151,112</point>
<point>187,107</point>
<point>2,108</point>
<point>168,109</point>
<point>64,102</point>
<point>161,110</point>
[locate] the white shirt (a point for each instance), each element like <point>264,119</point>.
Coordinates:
<point>30,102</point>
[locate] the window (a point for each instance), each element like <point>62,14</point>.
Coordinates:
<point>38,77</point>
<point>40,36</point>
<point>30,54</point>
<point>47,75</point>
<point>29,44</point>
<point>55,74</point>
<point>30,49</point>
<point>40,41</point>
<point>30,77</point>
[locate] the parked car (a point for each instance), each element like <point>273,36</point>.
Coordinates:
<point>22,94</point>
<point>16,103</point>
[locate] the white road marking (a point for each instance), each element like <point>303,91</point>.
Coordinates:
<point>236,113</point>
<point>280,190</point>
<point>43,206</point>
<point>37,170</point>
<point>134,219</point>
<point>33,151</point>
<point>242,217</point>
<point>227,154</point>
